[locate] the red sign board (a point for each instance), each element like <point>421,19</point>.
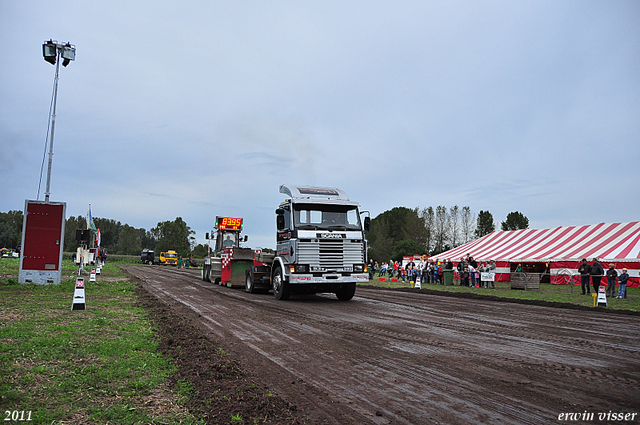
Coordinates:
<point>42,242</point>
<point>42,239</point>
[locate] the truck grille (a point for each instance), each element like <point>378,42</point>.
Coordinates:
<point>331,254</point>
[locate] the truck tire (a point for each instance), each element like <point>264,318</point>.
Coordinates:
<point>248,283</point>
<point>347,292</point>
<point>281,289</point>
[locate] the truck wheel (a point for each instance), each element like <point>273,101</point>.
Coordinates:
<point>347,292</point>
<point>206,273</point>
<point>281,289</point>
<point>248,283</point>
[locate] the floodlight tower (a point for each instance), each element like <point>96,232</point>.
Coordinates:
<point>52,50</point>
<point>43,222</point>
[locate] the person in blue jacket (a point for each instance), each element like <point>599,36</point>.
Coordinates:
<point>622,281</point>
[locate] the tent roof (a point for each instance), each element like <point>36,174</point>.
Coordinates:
<point>607,241</point>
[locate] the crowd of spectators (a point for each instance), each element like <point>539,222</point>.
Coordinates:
<point>432,271</point>
<point>469,273</point>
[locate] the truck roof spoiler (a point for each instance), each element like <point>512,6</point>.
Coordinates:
<point>314,192</point>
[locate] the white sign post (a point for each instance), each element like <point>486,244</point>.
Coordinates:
<point>417,285</point>
<point>602,296</point>
<point>92,276</point>
<point>78,296</point>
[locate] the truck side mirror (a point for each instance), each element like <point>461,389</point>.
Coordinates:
<point>279,211</point>
<point>206,235</point>
<point>280,221</point>
<point>367,224</point>
<point>246,238</point>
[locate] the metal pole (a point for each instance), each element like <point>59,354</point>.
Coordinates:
<point>53,125</point>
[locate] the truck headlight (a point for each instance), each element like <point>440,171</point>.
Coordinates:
<point>358,268</point>
<point>299,268</point>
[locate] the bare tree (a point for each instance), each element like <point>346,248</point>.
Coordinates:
<point>428,218</point>
<point>454,228</point>
<point>467,224</point>
<point>440,236</point>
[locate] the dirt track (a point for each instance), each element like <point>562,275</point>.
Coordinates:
<point>389,357</point>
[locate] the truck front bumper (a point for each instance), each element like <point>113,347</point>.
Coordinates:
<point>299,279</point>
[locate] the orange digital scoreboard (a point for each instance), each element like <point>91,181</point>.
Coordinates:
<point>228,223</point>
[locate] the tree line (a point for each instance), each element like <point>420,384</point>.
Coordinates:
<point>118,238</point>
<point>11,229</point>
<point>123,239</point>
<point>395,233</point>
<point>404,231</point>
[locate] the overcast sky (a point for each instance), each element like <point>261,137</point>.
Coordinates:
<point>203,108</point>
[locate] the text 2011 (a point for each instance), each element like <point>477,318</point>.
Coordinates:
<point>17,415</point>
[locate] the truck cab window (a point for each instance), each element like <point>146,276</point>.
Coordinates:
<point>330,217</point>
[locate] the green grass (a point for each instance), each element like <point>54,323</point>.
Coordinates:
<point>100,365</point>
<point>547,292</point>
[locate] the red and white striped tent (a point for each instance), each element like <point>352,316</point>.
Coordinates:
<point>557,251</point>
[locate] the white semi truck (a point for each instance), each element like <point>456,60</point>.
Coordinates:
<point>320,246</point>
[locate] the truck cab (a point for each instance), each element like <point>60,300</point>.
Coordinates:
<point>169,258</point>
<point>321,245</point>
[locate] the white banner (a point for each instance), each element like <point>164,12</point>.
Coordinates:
<point>488,277</point>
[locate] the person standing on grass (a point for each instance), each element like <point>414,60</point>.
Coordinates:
<point>481,269</point>
<point>464,277</point>
<point>585,271</point>
<point>491,268</point>
<point>448,265</point>
<point>461,265</point>
<point>622,281</point>
<point>596,274</point>
<point>179,262</point>
<point>612,274</point>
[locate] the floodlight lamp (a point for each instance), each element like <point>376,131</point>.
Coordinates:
<point>68,54</point>
<point>49,51</point>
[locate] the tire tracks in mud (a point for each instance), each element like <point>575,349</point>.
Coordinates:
<point>419,358</point>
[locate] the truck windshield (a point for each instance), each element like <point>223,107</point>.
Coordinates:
<point>329,217</point>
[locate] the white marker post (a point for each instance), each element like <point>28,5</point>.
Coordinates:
<point>417,285</point>
<point>92,276</point>
<point>602,296</point>
<point>78,296</point>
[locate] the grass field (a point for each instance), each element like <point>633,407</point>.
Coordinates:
<point>100,365</point>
